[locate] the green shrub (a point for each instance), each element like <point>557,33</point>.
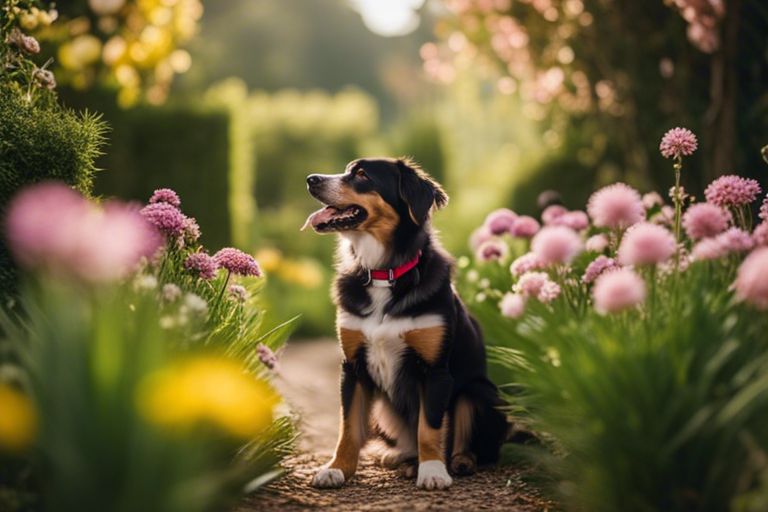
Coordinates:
<point>42,141</point>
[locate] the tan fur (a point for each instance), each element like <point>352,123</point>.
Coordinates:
<point>431,440</point>
<point>382,218</point>
<point>462,426</point>
<point>427,342</point>
<point>353,433</point>
<point>350,340</point>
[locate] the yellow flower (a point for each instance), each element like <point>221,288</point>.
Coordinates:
<point>305,272</point>
<point>18,420</point>
<point>269,258</point>
<point>80,53</point>
<point>209,390</point>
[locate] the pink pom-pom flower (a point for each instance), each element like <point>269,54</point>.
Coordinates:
<point>202,265</point>
<point>537,285</point>
<point>512,305</point>
<point>678,142</point>
<point>596,243</point>
<point>703,220</point>
<point>552,212</point>
<point>616,206</point>
<point>618,290</point>
<point>524,227</point>
<point>478,236</point>
<point>576,220</point>
<point>597,267</point>
<point>732,190</point>
<point>763,214</point>
<point>708,249</point>
<point>760,234</point>
<point>237,262</point>
<point>526,263</point>
<point>166,218</point>
<point>500,221</point>
<point>751,283</point>
<point>556,244</point>
<point>735,240</point>
<point>492,250</point>
<point>165,195</point>
<point>646,244</point>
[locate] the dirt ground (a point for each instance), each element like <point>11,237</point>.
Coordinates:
<point>309,376</point>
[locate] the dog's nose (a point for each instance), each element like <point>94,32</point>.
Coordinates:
<point>313,179</point>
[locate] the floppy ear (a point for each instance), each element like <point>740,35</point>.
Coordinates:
<point>419,191</point>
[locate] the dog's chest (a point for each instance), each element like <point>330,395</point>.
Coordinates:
<point>384,337</point>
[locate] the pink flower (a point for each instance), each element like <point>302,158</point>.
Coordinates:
<point>237,262</point>
<point>500,221</point>
<point>618,290</point>
<point>616,206</point>
<point>678,142</point>
<point>708,249</point>
<point>646,244</point>
<point>266,356</point>
<point>735,240</point>
<point>479,236</point>
<point>549,292</point>
<point>512,305</point>
<point>665,216</point>
<point>760,234</point>
<point>52,227</point>
<point>597,267</point>
<point>763,215</point>
<point>597,243</point>
<point>166,218</point>
<point>552,212</point>
<point>703,220</point>
<point>202,265</point>
<point>191,230</point>
<point>170,292</point>
<point>537,285</point>
<point>525,227</point>
<point>751,283</point>
<point>576,220</point>
<point>556,244</point>
<point>238,292</point>
<point>165,195</point>
<point>652,199</point>
<point>492,250</point>
<point>732,191</point>
<point>525,263</point>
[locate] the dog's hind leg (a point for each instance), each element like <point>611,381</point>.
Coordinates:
<point>463,462</point>
<point>400,445</point>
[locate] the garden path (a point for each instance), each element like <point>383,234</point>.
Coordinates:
<point>309,376</point>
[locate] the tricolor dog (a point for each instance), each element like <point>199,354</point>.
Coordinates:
<point>414,369</point>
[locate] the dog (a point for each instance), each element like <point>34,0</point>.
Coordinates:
<point>414,366</point>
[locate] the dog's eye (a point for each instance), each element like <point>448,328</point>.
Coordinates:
<point>361,174</point>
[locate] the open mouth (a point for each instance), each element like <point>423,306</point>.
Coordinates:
<point>333,218</point>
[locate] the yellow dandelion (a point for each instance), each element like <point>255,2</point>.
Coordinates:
<point>18,420</point>
<point>208,390</point>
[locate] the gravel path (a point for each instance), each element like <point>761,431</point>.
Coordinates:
<point>309,381</point>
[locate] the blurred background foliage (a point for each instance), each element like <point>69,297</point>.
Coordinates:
<point>499,99</point>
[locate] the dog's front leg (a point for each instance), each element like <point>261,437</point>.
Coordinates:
<point>353,431</point>
<point>436,393</point>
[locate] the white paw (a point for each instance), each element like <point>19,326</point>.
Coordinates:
<point>433,475</point>
<point>327,478</point>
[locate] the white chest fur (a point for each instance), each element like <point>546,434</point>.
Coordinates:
<point>383,336</point>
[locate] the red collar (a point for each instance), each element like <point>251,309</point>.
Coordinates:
<point>387,277</point>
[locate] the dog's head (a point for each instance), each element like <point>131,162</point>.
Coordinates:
<point>374,195</point>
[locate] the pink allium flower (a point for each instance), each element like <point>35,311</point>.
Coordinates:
<point>760,234</point>
<point>166,218</point>
<point>266,356</point>
<point>512,305</point>
<point>238,292</point>
<point>703,220</point>
<point>646,244</point>
<point>93,244</point>
<point>618,290</point>
<point>597,267</point>
<point>678,142</point>
<point>237,262</point>
<point>556,244</point>
<point>751,283</point>
<point>552,212</point>
<point>479,236</point>
<point>732,191</point>
<point>537,285</point>
<point>525,263</point>
<point>652,199</point>
<point>525,227</point>
<point>165,195</point>
<point>597,243</point>
<point>549,292</point>
<point>616,206</point>
<point>500,221</point>
<point>708,249</point>
<point>763,215</point>
<point>735,240</point>
<point>191,230</point>
<point>202,265</point>
<point>576,220</point>
<point>665,216</point>
<point>492,250</point>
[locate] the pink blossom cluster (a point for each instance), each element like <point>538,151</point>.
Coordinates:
<point>492,249</point>
<point>646,244</point>
<point>537,285</point>
<point>202,265</point>
<point>597,267</point>
<point>732,190</point>
<point>616,206</point>
<point>51,227</point>
<point>751,283</point>
<point>512,305</point>
<point>556,245</point>
<point>733,240</point>
<point>237,262</point>
<point>526,263</point>
<point>703,220</point>
<point>618,290</point>
<point>678,142</point>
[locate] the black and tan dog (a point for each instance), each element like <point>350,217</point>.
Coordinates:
<point>414,364</point>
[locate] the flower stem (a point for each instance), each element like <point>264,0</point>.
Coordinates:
<point>678,199</point>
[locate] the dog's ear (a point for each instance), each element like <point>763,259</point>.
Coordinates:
<point>419,191</point>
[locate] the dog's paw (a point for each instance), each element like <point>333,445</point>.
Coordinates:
<point>463,464</point>
<point>391,458</point>
<point>328,478</point>
<point>433,475</point>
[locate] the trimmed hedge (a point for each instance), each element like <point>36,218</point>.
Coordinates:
<point>38,142</point>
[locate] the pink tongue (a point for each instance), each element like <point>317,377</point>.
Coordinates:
<point>318,217</point>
